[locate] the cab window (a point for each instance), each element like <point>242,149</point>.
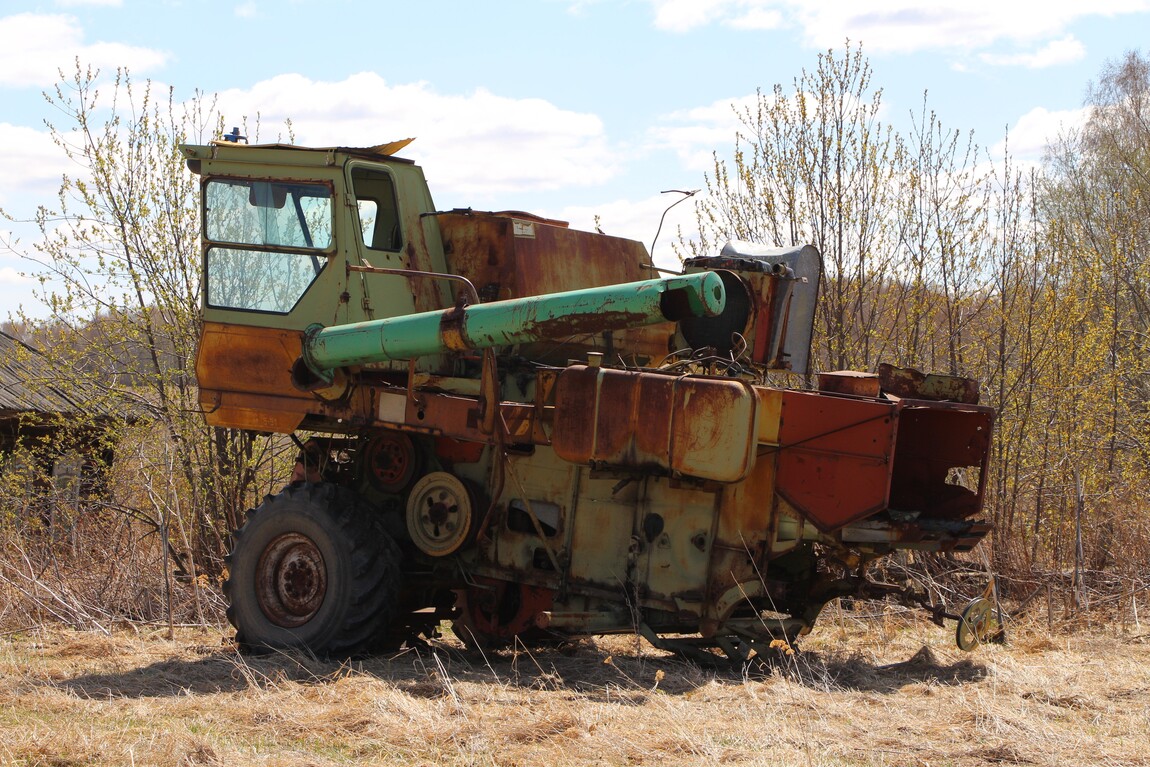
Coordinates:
<point>374,192</point>
<point>267,242</point>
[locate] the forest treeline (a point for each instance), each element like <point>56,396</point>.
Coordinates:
<point>1031,279</point>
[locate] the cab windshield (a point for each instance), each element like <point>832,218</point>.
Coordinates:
<point>267,242</point>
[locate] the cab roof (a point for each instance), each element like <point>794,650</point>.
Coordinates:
<point>234,150</point>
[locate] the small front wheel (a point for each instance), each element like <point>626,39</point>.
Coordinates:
<point>977,625</point>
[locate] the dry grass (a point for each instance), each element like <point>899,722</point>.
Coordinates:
<point>863,692</point>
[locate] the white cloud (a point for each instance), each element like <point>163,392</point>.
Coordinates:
<point>37,46</point>
<point>30,169</point>
<point>89,3</point>
<point>899,25</point>
<point>246,10</point>
<point>10,277</point>
<point>15,288</point>
<point>1063,51</point>
<point>683,15</point>
<point>639,220</point>
<point>1033,131</point>
<point>472,144</point>
<point>758,18</point>
<point>694,134</point>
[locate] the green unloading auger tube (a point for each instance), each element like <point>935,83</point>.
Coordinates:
<point>514,321</point>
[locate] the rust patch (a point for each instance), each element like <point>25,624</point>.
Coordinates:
<point>243,358</point>
<point>617,416</point>
<point>653,437</point>
<point>451,331</point>
<point>849,382</point>
<point>713,432</point>
<point>913,384</point>
<point>575,325</point>
<point>576,408</point>
<point>702,428</point>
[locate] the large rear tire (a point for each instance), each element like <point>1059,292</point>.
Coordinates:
<point>312,569</point>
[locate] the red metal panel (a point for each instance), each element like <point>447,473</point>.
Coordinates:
<point>834,459</point>
<point>934,440</point>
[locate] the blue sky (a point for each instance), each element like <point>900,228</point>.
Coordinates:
<point>566,108</point>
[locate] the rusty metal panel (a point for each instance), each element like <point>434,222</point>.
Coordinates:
<point>767,337</point>
<point>618,401</point>
<point>770,414</point>
<point>912,384</point>
<point>713,433</point>
<point>244,380</point>
<point>745,510</point>
<point>941,446</point>
<point>251,411</point>
<point>742,533</point>
<point>451,416</point>
<point>694,427</point>
<point>849,382</point>
<point>676,528</point>
<point>248,359</point>
<point>603,522</point>
<point>513,255</point>
<point>653,434</point>
<point>834,457</point>
<point>577,399</point>
<point>533,481</point>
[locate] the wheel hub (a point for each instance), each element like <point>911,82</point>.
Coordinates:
<point>291,580</point>
<point>440,514</point>
<point>391,461</point>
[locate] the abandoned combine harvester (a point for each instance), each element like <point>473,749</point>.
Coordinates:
<point>517,428</point>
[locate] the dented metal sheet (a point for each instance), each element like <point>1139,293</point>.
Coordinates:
<point>692,427</point>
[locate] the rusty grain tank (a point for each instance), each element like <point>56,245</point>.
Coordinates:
<point>523,429</point>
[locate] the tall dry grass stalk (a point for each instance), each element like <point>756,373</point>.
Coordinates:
<point>102,571</point>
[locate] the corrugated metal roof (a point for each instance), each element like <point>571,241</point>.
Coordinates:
<point>30,384</point>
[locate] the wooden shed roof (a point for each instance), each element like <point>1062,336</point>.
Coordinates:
<point>30,384</point>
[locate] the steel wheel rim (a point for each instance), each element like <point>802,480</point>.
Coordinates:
<point>439,514</point>
<point>974,625</point>
<point>391,461</point>
<point>291,580</point>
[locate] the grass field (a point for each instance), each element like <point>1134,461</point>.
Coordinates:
<point>886,690</point>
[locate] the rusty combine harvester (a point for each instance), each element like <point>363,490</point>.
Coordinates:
<point>513,426</point>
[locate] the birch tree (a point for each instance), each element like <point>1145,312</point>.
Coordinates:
<point>119,270</point>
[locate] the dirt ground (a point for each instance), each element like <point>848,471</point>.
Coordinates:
<point>878,690</point>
